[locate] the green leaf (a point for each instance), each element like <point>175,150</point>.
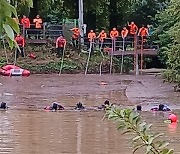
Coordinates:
<point>138,147</point>
<point>163,145</point>
<point>148,149</point>
<point>136,138</point>
<point>13,24</point>
<point>9,31</point>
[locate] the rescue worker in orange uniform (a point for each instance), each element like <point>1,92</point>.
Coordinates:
<point>114,34</point>
<point>26,23</point>
<point>143,32</point>
<point>38,25</point>
<point>60,45</point>
<point>75,36</point>
<point>91,37</point>
<point>133,29</point>
<point>102,36</point>
<point>124,34</point>
<point>21,43</point>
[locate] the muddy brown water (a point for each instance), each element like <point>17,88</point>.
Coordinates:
<point>27,129</point>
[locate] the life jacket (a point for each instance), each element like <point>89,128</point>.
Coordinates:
<point>124,33</point>
<point>61,42</point>
<point>91,36</point>
<point>76,33</point>
<point>102,36</point>
<point>25,22</point>
<point>143,31</point>
<point>38,22</point>
<point>133,29</point>
<point>114,34</point>
<point>20,41</point>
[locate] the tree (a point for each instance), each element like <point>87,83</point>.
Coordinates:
<point>168,32</point>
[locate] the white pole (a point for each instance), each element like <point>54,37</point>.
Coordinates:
<point>81,21</point>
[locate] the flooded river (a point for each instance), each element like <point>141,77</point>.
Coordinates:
<point>27,129</point>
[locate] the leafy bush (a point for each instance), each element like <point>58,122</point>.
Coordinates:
<point>131,122</point>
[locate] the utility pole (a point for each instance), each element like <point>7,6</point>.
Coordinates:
<point>136,56</point>
<point>81,20</point>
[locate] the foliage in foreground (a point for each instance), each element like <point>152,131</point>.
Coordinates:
<point>7,24</point>
<point>168,32</point>
<point>131,122</point>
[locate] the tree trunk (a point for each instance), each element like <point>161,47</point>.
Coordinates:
<point>34,10</point>
<point>113,14</point>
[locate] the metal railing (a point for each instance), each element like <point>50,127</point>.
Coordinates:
<point>48,31</point>
<point>129,44</point>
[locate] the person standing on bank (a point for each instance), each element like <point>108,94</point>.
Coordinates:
<point>60,45</point>
<point>21,43</point>
<point>38,25</point>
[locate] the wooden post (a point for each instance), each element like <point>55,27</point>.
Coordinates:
<point>141,53</point>
<point>44,31</point>
<point>136,56</point>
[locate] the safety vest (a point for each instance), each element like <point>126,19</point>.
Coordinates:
<point>102,36</point>
<point>38,22</point>
<point>133,29</point>
<point>114,34</point>
<point>25,22</point>
<point>76,33</point>
<point>61,42</point>
<point>91,36</point>
<point>20,41</point>
<point>143,31</point>
<point>124,33</point>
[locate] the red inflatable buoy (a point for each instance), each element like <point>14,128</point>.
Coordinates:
<point>173,118</point>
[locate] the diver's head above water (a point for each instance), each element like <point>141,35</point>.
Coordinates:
<point>107,102</point>
<point>79,106</point>
<point>3,105</point>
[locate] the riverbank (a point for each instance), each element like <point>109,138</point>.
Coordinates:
<point>75,62</point>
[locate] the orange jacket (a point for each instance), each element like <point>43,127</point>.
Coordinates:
<point>124,33</point>
<point>20,41</point>
<point>114,34</point>
<point>133,29</point>
<point>102,36</point>
<point>143,31</point>
<point>38,22</point>
<point>25,22</point>
<point>76,33</point>
<point>91,36</point>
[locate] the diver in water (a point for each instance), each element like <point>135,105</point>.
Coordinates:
<point>161,107</point>
<point>138,108</point>
<point>79,106</point>
<point>55,106</point>
<point>3,106</point>
<point>105,105</point>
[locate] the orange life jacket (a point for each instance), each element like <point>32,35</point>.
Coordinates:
<point>124,33</point>
<point>76,33</point>
<point>114,34</point>
<point>38,22</point>
<point>91,36</point>
<point>102,36</point>
<point>133,29</point>
<point>20,41</point>
<point>25,22</point>
<point>143,31</point>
